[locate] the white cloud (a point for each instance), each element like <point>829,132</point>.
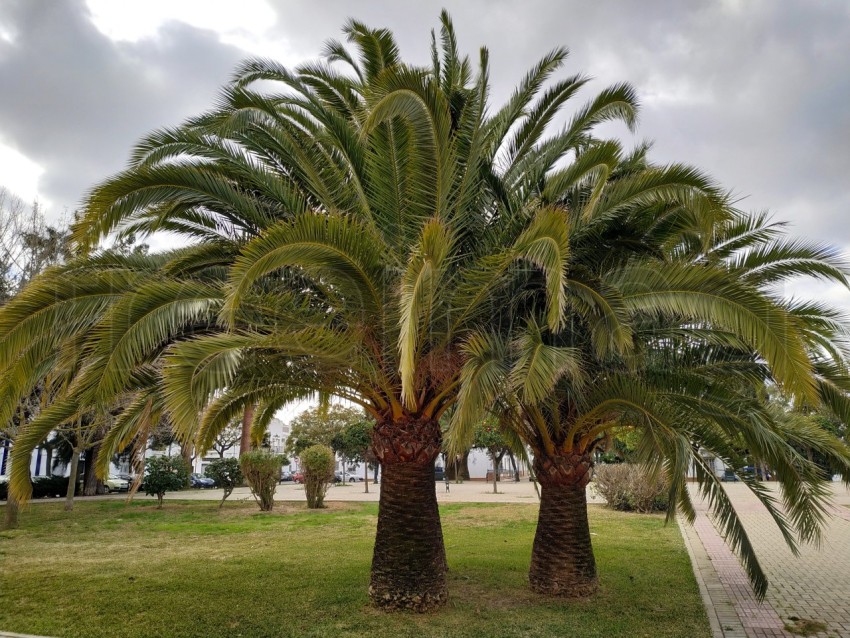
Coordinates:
<point>19,174</point>
<point>133,20</point>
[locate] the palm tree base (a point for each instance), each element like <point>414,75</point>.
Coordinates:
<point>562,562</point>
<point>409,563</point>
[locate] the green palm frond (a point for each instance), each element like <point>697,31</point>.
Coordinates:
<point>539,366</point>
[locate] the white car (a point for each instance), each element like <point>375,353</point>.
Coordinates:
<point>116,484</point>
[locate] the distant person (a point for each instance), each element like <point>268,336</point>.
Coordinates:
<point>446,478</point>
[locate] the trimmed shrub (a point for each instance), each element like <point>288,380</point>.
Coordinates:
<point>262,471</point>
<point>317,462</point>
<point>164,474</point>
<point>629,488</point>
<point>227,475</point>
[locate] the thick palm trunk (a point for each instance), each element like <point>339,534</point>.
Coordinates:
<point>562,562</point>
<point>409,562</point>
<point>186,455</point>
<point>92,486</point>
<point>247,423</point>
<point>72,480</point>
<point>10,516</point>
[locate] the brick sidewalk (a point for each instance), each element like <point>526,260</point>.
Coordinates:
<point>815,586</point>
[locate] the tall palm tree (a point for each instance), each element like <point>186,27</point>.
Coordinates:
<point>353,229</point>
<point>675,329</point>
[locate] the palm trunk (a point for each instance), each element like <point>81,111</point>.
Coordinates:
<point>72,480</point>
<point>90,482</point>
<point>562,562</point>
<point>409,562</point>
<point>10,516</point>
<point>247,422</point>
<point>514,466</point>
<point>186,455</point>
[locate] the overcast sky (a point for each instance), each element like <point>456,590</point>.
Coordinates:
<point>754,92</point>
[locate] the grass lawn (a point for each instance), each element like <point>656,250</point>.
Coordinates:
<point>111,569</point>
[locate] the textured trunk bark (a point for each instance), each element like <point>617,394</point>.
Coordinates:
<point>409,562</point>
<point>247,422</point>
<point>10,516</point>
<point>186,455</point>
<point>562,562</point>
<point>90,482</point>
<point>72,480</point>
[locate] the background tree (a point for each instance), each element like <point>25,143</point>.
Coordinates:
<point>319,426</point>
<point>497,444</point>
<point>227,475</point>
<point>317,463</point>
<point>164,474</point>
<point>353,444</point>
<point>227,439</point>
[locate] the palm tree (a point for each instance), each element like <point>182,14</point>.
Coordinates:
<point>676,329</point>
<point>349,215</point>
<point>353,229</point>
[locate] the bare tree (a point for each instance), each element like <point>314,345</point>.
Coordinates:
<point>227,439</point>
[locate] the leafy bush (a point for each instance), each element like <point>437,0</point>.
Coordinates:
<point>317,462</point>
<point>262,471</point>
<point>628,487</point>
<point>164,474</point>
<point>227,475</point>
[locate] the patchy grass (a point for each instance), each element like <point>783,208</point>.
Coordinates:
<point>191,569</point>
<point>804,627</point>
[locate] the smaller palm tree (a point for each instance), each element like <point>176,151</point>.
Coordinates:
<point>691,335</point>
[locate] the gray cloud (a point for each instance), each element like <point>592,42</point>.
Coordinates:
<point>80,100</point>
<point>753,92</point>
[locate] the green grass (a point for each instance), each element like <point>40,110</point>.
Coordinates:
<point>110,569</point>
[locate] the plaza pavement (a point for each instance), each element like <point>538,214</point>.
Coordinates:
<point>814,586</point>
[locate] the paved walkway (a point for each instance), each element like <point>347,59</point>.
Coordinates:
<point>812,587</point>
<point>466,492</point>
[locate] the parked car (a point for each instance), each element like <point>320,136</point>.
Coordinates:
<point>439,473</point>
<point>201,482</point>
<point>127,477</point>
<point>729,475</point>
<point>116,484</point>
<point>298,477</point>
<point>286,477</point>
